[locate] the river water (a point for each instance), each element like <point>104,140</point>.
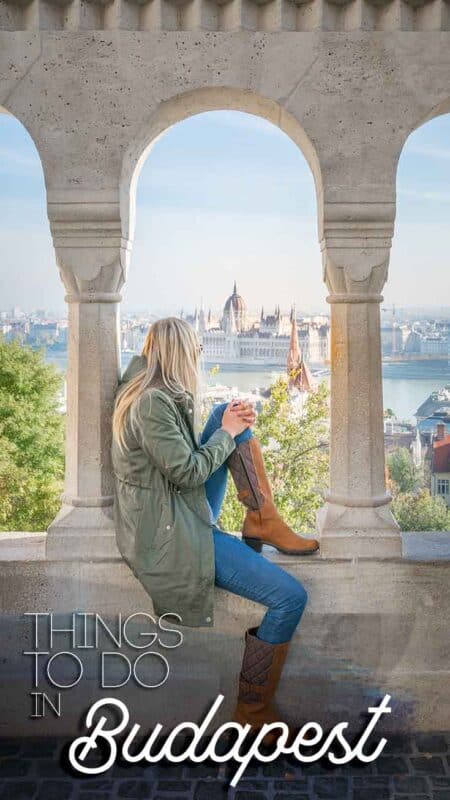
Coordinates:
<point>405,384</point>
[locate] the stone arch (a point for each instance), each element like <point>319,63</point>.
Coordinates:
<point>436,111</point>
<point>355,244</point>
<point>5,111</point>
<point>30,258</point>
<point>186,105</point>
<point>434,247</point>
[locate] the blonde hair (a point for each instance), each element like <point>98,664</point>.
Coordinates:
<point>173,351</point>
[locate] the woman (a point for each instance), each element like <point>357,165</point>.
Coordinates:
<point>169,490</point>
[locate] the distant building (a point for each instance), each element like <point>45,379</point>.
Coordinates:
<point>234,313</point>
<point>236,339</point>
<point>398,433</point>
<point>14,331</point>
<point>427,344</point>
<point>440,464</point>
<point>133,338</point>
<point>434,345</point>
<point>412,344</point>
<point>427,427</point>
<point>435,402</point>
<point>43,333</point>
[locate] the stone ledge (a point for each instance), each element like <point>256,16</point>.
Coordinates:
<point>370,627</point>
<point>426,546</point>
<point>22,546</point>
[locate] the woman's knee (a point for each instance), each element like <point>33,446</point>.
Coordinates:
<point>217,411</point>
<point>297,598</point>
<point>214,420</point>
<point>219,407</point>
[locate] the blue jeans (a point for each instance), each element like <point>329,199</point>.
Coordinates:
<point>241,570</point>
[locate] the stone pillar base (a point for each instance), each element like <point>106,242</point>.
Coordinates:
<point>82,534</point>
<point>361,532</point>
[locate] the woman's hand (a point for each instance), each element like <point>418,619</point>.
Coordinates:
<point>246,410</point>
<point>237,417</point>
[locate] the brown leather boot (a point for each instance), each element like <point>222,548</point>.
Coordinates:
<point>263,524</point>
<point>260,673</point>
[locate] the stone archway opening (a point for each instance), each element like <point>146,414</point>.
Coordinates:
<point>416,332</point>
<point>193,103</point>
<point>211,211</point>
<point>355,241</point>
<point>32,316</point>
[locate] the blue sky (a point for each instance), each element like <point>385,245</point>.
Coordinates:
<point>226,195</point>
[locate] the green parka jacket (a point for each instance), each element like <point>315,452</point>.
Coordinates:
<point>162,518</point>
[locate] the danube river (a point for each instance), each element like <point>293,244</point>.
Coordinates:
<point>406,384</point>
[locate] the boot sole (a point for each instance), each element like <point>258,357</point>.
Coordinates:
<point>257,545</point>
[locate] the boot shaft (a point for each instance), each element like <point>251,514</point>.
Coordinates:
<point>261,669</point>
<point>246,465</point>
<point>263,523</point>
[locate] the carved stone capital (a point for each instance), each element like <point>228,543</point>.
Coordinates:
<point>356,242</point>
<point>91,253</point>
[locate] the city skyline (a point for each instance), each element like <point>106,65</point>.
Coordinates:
<point>240,197</point>
<point>428,311</point>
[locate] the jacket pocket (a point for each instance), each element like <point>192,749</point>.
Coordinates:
<point>163,532</point>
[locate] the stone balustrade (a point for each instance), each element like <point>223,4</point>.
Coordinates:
<point>216,15</point>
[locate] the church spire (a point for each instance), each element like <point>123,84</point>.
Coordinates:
<point>298,372</point>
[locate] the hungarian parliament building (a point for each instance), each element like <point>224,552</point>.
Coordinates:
<point>238,339</point>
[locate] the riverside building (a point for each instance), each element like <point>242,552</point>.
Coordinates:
<point>239,339</point>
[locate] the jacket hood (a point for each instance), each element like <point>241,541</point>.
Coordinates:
<point>137,364</point>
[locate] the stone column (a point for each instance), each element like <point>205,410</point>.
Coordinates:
<point>356,519</point>
<point>92,259</point>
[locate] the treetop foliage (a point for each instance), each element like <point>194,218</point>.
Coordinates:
<point>31,439</point>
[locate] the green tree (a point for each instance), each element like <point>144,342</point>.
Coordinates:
<point>403,471</point>
<point>295,443</point>
<point>31,439</point>
<point>421,512</point>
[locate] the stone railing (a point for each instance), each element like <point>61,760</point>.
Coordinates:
<point>212,15</point>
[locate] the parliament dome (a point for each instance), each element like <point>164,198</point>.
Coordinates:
<point>235,306</point>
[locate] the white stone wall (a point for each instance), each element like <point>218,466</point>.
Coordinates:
<point>371,626</point>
